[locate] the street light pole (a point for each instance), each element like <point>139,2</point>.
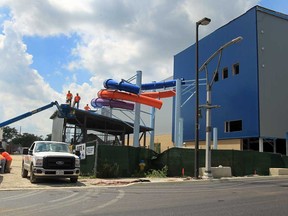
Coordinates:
<point>209,106</point>
<point>204,21</point>
<point>208,174</point>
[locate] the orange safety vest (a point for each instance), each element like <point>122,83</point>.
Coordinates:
<point>77,98</point>
<point>87,108</point>
<point>69,96</point>
<point>7,156</point>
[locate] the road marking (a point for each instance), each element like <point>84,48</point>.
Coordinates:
<point>20,196</point>
<point>63,198</point>
<point>42,207</point>
<point>58,205</point>
<point>19,209</point>
<point>116,199</point>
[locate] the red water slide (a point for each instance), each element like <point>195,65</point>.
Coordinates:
<point>114,94</point>
<point>162,94</point>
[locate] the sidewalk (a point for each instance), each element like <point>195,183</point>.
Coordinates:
<point>14,181</point>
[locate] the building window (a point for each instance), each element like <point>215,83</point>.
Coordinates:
<point>236,69</point>
<point>233,126</point>
<point>216,76</point>
<point>225,73</point>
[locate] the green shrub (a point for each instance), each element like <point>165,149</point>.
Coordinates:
<point>138,174</point>
<point>107,170</point>
<point>157,173</point>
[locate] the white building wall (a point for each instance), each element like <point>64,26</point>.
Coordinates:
<point>273,74</point>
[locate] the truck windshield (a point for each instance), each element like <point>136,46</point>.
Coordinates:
<point>52,147</point>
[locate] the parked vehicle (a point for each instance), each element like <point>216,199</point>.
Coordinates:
<point>50,159</point>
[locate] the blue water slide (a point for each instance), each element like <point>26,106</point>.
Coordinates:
<point>158,85</point>
<point>122,86</point>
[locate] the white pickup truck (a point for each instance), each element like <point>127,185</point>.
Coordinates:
<point>50,159</point>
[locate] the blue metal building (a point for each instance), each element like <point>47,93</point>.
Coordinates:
<point>251,83</point>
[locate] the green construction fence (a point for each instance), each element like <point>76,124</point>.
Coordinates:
<point>242,163</point>
<point>116,161</point>
<point>123,161</point>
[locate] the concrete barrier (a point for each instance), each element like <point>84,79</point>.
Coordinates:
<point>278,171</point>
<point>217,172</point>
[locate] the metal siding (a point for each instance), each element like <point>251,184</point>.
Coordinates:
<point>57,129</point>
<point>237,95</point>
<point>273,74</point>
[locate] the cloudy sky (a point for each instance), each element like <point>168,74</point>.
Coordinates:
<point>50,46</point>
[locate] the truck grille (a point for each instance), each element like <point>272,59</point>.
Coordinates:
<point>58,162</point>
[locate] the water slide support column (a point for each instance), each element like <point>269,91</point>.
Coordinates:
<point>261,144</point>
<point>177,114</point>
<point>215,138</point>
<point>137,113</point>
<point>180,140</point>
<point>152,125</point>
<point>286,143</point>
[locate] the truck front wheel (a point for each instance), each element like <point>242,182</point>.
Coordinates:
<point>32,176</point>
<point>73,180</point>
<point>24,172</point>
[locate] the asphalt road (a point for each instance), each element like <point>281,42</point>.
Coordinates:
<point>255,196</point>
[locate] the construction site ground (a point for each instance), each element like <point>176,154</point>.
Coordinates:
<point>14,181</point>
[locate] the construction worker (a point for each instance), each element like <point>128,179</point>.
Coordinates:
<point>87,108</point>
<point>2,164</point>
<point>77,99</point>
<point>8,158</point>
<point>69,97</point>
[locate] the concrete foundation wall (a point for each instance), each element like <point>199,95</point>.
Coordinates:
<point>217,172</point>
<point>229,144</point>
<point>165,141</point>
<point>278,171</point>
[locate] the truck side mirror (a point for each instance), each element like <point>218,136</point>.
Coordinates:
<point>25,151</point>
<point>77,152</point>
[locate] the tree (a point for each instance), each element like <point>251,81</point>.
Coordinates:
<point>48,137</point>
<point>9,133</point>
<point>26,139</point>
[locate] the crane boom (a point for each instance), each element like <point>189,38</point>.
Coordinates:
<point>25,115</point>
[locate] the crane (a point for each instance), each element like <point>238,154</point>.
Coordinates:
<point>64,112</point>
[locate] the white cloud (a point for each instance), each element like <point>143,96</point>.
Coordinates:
<point>116,38</point>
<point>22,89</point>
<point>85,91</point>
<point>72,6</point>
<point>147,35</point>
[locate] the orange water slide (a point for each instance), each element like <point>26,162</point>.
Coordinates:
<point>162,94</point>
<point>149,101</point>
